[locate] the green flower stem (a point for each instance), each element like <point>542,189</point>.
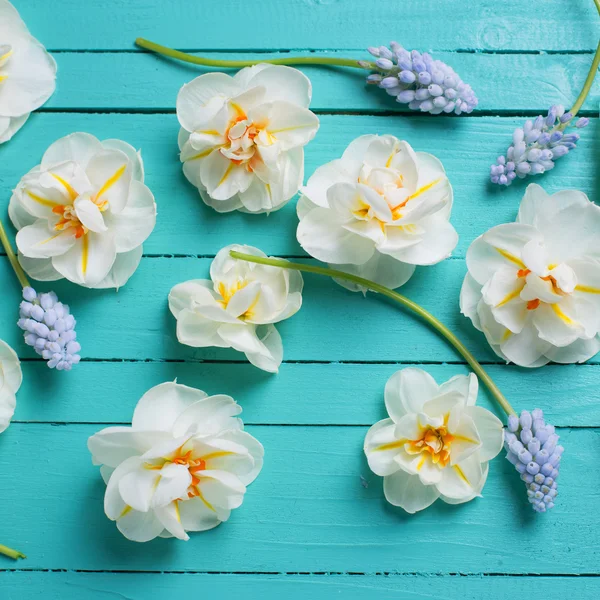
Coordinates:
<point>238,64</point>
<point>12,257</point>
<point>587,86</point>
<point>415,308</point>
<point>11,553</point>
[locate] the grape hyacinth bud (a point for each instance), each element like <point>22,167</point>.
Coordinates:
<point>49,328</point>
<point>536,146</point>
<point>531,446</point>
<point>418,80</point>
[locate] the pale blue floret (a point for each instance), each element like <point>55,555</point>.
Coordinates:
<point>418,80</point>
<point>49,329</point>
<point>536,146</point>
<point>532,447</point>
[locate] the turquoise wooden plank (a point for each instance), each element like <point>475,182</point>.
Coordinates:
<point>503,82</point>
<point>314,394</point>
<point>310,24</point>
<point>333,324</point>
<point>166,586</point>
<point>466,146</point>
<point>308,511</point>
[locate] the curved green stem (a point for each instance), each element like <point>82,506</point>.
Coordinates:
<point>238,64</point>
<point>587,86</point>
<point>12,258</point>
<point>412,306</point>
<point>11,553</point>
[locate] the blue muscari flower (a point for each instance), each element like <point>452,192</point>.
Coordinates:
<point>49,328</point>
<point>532,447</point>
<point>536,146</point>
<point>420,81</point>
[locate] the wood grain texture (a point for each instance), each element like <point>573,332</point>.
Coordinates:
<point>315,507</point>
<point>166,586</point>
<point>312,24</point>
<point>503,82</point>
<point>466,147</point>
<point>314,394</point>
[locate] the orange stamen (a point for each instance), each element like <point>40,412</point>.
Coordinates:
<point>533,304</point>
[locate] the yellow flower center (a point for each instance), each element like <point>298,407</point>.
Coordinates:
<point>435,442</point>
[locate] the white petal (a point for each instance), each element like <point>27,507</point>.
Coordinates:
<point>470,295</point>
<point>139,526</point>
<point>195,330</point>
<point>281,83</point>
<point>10,368</point>
<point>136,488</point>
<point>222,178</point>
<point>501,246</point>
<point>199,100</point>
<point>111,173</point>
<point>577,352</point>
<point>10,125</point>
<point>381,268</point>
<point>76,147</point>
<point>503,294</point>
<point>113,445</point>
<point>476,491</point>
<point>292,126</point>
<point>462,480</point>
<point>173,484</point>
<point>407,492</point>
<point>89,260</point>
<point>557,323</point>
<point>114,505</point>
<point>379,447</point>
<point>336,171</point>
<point>171,519</point>
<point>490,430</point>
<point>135,222</point>
<point>18,215</point>
<point>134,156</point>
<point>159,408</point>
<point>467,439</point>
<point>196,515</point>
<point>221,489</point>
<point>438,240</point>
<point>208,416</point>
<point>185,294</point>
<point>322,235</point>
<point>123,268</point>
<point>244,300</point>
<point>466,385</point>
<point>407,391</point>
<point>254,449</point>
<point>39,241</point>
<point>89,214</point>
<point>525,348</point>
<point>8,402</point>
<point>40,269</point>
<point>244,338</point>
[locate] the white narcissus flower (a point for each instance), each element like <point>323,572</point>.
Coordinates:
<point>436,443</point>
<point>84,213</point>
<point>11,378</point>
<point>238,307</point>
<point>183,465</point>
<point>242,137</point>
<point>533,286</point>
<point>27,72</point>
<point>378,211</point>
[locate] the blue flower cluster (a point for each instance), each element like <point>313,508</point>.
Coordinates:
<point>420,81</point>
<point>531,446</point>
<point>536,146</point>
<point>49,328</point>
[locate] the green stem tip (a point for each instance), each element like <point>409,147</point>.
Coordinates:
<point>15,554</point>
<point>238,64</point>
<point>12,257</point>
<point>409,304</point>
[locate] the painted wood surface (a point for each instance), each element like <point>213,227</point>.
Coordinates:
<point>132,586</point>
<point>315,523</point>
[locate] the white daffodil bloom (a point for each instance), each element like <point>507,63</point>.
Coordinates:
<point>242,137</point>
<point>84,213</point>
<point>238,307</point>
<point>183,465</point>
<point>533,286</point>
<point>378,211</point>
<point>11,378</point>
<point>27,72</point>
<point>436,443</point>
